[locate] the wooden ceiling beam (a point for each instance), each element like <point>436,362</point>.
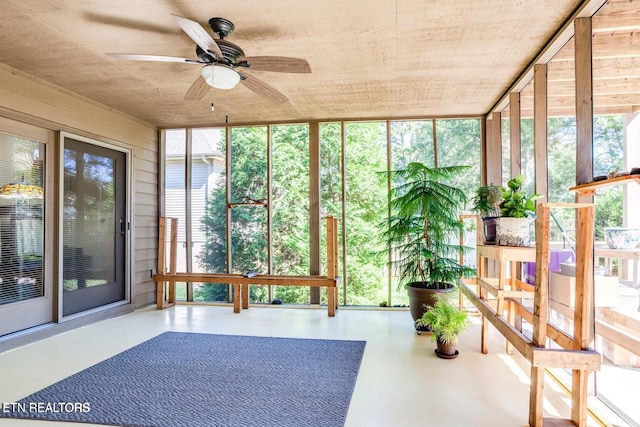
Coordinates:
<point>600,86</point>
<point>616,16</point>
<point>568,111</point>
<point>621,99</point>
<point>608,68</point>
<point>607,45</point>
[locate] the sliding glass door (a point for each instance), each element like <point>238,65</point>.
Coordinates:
<point>26,294</point>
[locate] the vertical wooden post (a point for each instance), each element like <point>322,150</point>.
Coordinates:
<point>269,215</point>
<point>244,290</point>
<point>584,104</point>
<point>188,236</point>
<point>540,131</point>
<point>332,267</point>
<point>173,259</point>
<point>314,208</point>
<point>335,257</point>
<point>536,396</point>
<point>494,171</point>
<point>484,331</point>
<point>583,321</point>
<point>162,235</point>
<point>541,298</point>
<point>485,133</point>
<point>343,201</point>
<point>540,314</point>
<point>330,253</point>
<point>515,134</point>
<point>237,298</point>
<point>511,309</point>
<point>494,151</point>
<point>584,173</point>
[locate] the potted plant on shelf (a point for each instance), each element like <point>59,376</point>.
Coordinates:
<point>487,203</point>
<point>422,234</point>
<point>517,209</point>
<point>446,322</point>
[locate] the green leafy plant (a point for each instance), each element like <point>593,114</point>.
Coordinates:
<point>515,202</point>
<point>445,320</point>
<point>423,232</point>
<point>487,200</point>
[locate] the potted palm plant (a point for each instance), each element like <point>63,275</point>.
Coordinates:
<point>446,322</point>
<point>487,203</point>
<point>422,234</point>
<point>517,210</point>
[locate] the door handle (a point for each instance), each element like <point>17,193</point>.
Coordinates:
<point>122,227</point>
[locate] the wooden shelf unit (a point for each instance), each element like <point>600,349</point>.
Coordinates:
<point>502,287</point>
<point>589,189</point>
<point>574,353</point>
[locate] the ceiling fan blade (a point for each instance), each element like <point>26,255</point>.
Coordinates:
<point>154,58</point>
<point>198,90</point>
<point>128,23</point>
<point>198,35</point>
<point>263,89</point>
<point>281,64</point>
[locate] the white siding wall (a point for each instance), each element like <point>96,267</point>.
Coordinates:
<point>205,176</point>
<point>25,98</point>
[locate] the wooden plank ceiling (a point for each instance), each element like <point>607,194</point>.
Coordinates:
<point>616,66</point>
<point>369,59</point>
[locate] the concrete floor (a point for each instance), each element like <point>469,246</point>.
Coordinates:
<point>401,381</point>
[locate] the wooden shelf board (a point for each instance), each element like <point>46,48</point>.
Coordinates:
<point>525,286</point>
<point>590,187</point>
<point>537,356</point>
<point>557,422</point>
<point>508,253</point>
<point>490,284</point>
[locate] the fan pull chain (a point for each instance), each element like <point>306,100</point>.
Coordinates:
<point>213,108</point>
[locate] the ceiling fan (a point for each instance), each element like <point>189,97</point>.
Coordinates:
<point>224,63</point>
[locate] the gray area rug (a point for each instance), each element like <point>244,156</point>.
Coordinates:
<point>191,380</point>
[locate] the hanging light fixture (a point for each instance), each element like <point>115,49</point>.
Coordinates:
<point>21,191</point>
<point>220,77</point>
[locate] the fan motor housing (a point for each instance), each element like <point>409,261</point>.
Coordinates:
<point>230,52</point>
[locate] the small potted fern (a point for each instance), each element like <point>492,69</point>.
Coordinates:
<point>446,322</point>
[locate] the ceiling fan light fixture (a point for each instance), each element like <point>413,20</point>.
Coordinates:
<point>220,77</point>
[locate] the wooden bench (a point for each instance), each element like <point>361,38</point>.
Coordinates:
<point>242,282</point>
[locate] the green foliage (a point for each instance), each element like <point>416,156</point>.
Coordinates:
<point>487,200</point>
<point>445,320</point>
<point>608,144</point>
<point>365,152</point>
<point>459,144</point>
<point>515,202</point>
<point>607,156</point>
<point>527,154</point>
<point>365,207</point>
<point>248,225</point>
<point>608,210</point>
<point>412,141</point>
<point>422,232</point>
